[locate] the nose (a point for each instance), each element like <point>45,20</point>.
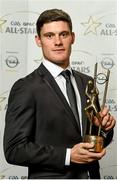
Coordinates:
<point>58,40</point>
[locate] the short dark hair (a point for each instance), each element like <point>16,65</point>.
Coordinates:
<point>52,15</point>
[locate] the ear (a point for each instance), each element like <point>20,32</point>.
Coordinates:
<point>73,37</point>
<point>38,40</point>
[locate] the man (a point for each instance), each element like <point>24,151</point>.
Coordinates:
<point>41,131</point>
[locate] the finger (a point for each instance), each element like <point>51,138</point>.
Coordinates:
<point>105,120</point>
<point>104,111</point>
<point>96,121</point>
<point>87,146</point>
<point>95,155</point>
<point>110,124</point>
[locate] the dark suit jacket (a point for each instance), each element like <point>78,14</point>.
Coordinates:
<point>40,126</point>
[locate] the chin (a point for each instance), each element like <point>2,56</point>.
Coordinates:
<point>61,61</point>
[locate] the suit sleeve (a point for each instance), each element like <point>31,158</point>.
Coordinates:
<point>20,147</point>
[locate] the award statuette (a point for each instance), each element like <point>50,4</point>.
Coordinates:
<point>92,110</point>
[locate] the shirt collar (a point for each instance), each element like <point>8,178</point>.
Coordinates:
<point>54,69</point>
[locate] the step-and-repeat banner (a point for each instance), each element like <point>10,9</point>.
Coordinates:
<point>95,26</point>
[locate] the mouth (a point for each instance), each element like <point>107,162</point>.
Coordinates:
<point>59,50</point>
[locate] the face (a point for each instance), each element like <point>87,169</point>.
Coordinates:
<point>56,41</point>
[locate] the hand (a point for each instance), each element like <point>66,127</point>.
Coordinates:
<point>80,153</point>
<point>108,121</point>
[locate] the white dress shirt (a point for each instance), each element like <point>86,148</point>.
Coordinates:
<point>55,71</point>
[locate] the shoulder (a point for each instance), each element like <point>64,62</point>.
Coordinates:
<point>24,85</point>
<point>83,77</point>
<point>27,80</point>
<point>22,91</point>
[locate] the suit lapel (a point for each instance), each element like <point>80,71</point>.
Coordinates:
<point>50,81</point>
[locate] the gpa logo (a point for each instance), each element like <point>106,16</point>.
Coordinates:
<point>12,61</point>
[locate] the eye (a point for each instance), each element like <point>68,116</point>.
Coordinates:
<point>49,35</point>
<point>65,34</point>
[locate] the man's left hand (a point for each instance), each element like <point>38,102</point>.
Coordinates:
<point>107,120</point>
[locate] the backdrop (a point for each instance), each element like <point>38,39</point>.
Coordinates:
<point>95,26</point>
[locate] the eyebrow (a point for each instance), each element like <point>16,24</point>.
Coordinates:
<point>52,33</point>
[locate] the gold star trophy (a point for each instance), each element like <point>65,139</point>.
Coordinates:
<point>92,110</point>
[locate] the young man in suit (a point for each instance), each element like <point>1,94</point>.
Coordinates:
<point>41,130</point>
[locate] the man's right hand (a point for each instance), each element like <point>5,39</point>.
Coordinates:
<point>81,154</point>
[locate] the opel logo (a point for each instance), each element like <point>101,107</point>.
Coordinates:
<point>12,61</point>
<point>101,78</point>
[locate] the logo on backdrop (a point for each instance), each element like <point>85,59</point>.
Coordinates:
<point>2,22</point>
<point>79,59</point>
<point>105,25</point>
<point>101,78</point>
<point>107,62</point>
<point>16,26</point>
<point>91,25</point>
<point>108,170</point>
<point>12,61</point>
<point>14,23</point>
<point>112,104</point>
<point>13,177</point>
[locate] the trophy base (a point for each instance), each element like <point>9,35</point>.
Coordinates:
<point>97,140</point>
